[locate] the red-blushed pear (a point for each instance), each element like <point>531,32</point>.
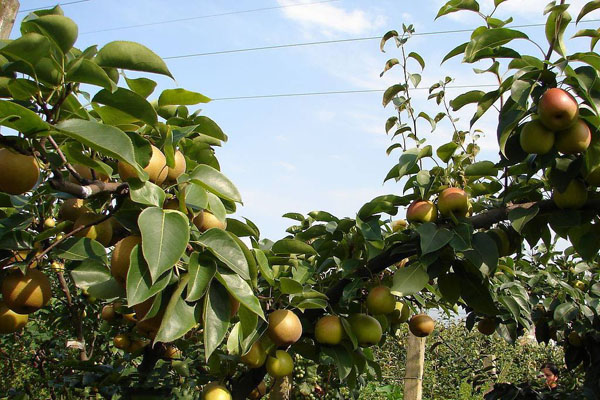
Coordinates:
<point>281,365</point>
<point>421,211</point>
<point>256,356</point>
<point>367,329</point>
<point>421,325</point>
<point>575,139</point>
<point>453,201</point>
<point>380,300</point>
<point>557,109</point>
<point>536,138</point>
<point>215,391</point>
<point>329,330</point>
<point>11,321</point>
<point>574,196</point>
<point>285,327</point>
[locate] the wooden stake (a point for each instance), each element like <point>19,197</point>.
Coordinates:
<point>415,361</point>
<point>8,14</point>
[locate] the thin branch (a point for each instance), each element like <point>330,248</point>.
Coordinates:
<point>64,160</point>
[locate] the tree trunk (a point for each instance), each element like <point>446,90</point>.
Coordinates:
<point>282,389</point>
<point>415,360</point>
<point>8,14</point>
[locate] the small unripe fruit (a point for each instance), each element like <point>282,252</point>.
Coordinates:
<point>367,329</point>
<point>574,196</point>
<point>256,356</point>
<point>281,365</point>
<point>401,313</point>
<point>536,138</point>
<point>574,339</point>
<point>108,312</point>
<point>49,223</point>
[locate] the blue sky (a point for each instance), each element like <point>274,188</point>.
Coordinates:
<point>303,153</point>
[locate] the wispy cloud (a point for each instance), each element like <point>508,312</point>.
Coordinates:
<point>329,19</point>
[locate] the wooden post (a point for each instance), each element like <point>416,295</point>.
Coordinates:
<point>8,14</point>
<point>415,361</point>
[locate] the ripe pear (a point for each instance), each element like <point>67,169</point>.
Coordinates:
<point>574,196</point>
<point>121,341</point>
<point>25,294</point>
<point>281,365</point>
<point>71,209</point>
<point>453,201</point>
<point>157,168</point>
<point>11,321</point>
<point>215,391</point>
<point>367,329</point>
<point>19,174</point>
<point>101,232</point>
<point>285,327</point>
<point>329,330</point>
<point>256,356</point>
<point>178,169</point>
<point>421,325</point>
<point>205,220</point>
<point>536,138</point>
<point>380,300</point>
<point>120,259</point>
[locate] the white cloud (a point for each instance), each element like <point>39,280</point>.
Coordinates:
<point>330,20</point>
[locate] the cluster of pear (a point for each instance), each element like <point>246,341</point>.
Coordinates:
<point>452,201</point>
<point>558,125</point>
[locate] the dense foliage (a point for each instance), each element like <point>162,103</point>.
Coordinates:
<point>117,246</point>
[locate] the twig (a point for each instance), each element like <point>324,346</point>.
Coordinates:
<point>64,160</point>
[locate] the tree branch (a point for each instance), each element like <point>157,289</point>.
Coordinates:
<point>85,191</point>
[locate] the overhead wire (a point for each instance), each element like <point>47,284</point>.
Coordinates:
<point>208,16</point>
<point>59,4</point>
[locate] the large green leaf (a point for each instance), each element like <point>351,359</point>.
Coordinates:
<point>457,5</point>
<point>521,216</point>
<point>60,29</point>
<point>343,360</point>
<point>132,56</point>
<point>139,282</point>
<point>78,249</point>
<point>129,102</point>
<point>218,242</point>
<point>165,235</point>
<point>86,71</point>
<point>477,296</point>
<point>105,139</point>
<point>215,182</point>
<point>179,317</point>
<point>216,318</point>
<point>142,86</point>
<point>484,254</point>
<point>201,270</point>
<point>90,272</point>
<point>30,47</point>
<point>241,290</point>
<point>146,193</point>
<point>565,312</point>
<point>181,97</point>
<point>449,286</point>
<point>490,38</point>
<point>432,237</point>
<point>409,280</point>
<point>292,246</point>
<point>209,127</point>
<point>21,119</point>
<point>263,265</point>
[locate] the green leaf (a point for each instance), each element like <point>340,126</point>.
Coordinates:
<point>392,92</point>
<point>446,151</point>
<point>31,48</point>
<point>209,127</point>
<point>181,97</point>
<point>387,36</point>
<point>512,305</point>
<point>418,58</point>
<point>216,318</point>
<point>473,96</point>
<point>142,86</point>
<point>520,216</point>
<point>128,102</point>
<point>449,285</point>
<point>139,282</point>
<point>457,5</point>
<point>556,24</point>
<point>343,360</point>
<point>389,64</point>
<point>179,317</point>
<point>195,196</point>
<point>564,313</point>
<point>481,168</point>
<point>477,296</point>
<point>490,38</point>
<point>165,235</point>
<point>219,243</point>
<point>79,249</point>
<point>215,182</point>
<point>349,333</point>
<point>409,280</point>
<point>110,289</point>
<point>201,270</point>
<point>290,286</point>
<point>588,8</point>
<point>292,246</point>
<point>432,238</point>
<point>241,290</point>
<point>131,56</point>
<point>60,29</point>
<point>21,119</point>
<point>263,265</point>
<point>90,272</point>
<point>146,193</point>
<point>105,139</point>
<point>484,254</point>
<point>240,229</point>
<point>460,49</point>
